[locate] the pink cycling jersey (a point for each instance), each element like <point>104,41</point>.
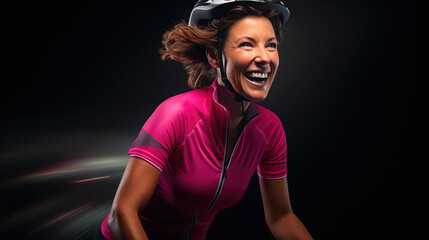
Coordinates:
<point>185,140</point>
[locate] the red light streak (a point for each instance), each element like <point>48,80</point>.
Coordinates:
<point>91,179</point>
<point>69,213</point>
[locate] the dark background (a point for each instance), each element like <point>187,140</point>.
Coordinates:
<point>78,82</point>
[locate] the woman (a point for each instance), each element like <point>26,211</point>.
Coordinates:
<point>197,152</point>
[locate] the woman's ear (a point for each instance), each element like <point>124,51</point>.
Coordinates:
<point>212,57</point>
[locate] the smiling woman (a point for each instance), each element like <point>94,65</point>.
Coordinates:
<point>251,57</point>
<point>197,152</point>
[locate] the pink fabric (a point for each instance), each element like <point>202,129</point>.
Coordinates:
<point>185,139</point>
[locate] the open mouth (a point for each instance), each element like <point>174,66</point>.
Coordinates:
<point>257,77</point>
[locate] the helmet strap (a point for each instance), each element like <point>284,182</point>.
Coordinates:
<point>226,82</point>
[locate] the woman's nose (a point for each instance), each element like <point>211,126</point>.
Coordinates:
<point>262,56</point>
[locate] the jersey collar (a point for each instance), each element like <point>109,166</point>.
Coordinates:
<point>252,111</point>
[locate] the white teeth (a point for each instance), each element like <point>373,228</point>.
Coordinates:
<point>258,75</point>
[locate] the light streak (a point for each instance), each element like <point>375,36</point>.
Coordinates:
<point>69,213</point>
<point>90,179</point>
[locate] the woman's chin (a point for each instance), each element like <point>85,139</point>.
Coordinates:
<point>255,93</point>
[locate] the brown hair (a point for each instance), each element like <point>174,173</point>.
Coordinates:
<point>187,44</point>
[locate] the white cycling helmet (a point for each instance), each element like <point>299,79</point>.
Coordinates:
<point>210,9</point>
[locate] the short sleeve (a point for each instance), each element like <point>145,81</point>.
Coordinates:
<point>273,163</point>
<point>160,135</point>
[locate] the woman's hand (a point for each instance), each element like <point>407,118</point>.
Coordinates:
<point>279,216</point>
<point>134,192</point>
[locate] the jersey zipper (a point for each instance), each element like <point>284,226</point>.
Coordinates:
<point>222,176</point>
<point>194,220</point>
<point>220,185</point>
<point>225,166</point>
<point>224,169</point>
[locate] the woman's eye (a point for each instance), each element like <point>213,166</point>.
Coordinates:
<point>245,44</point>
<point>272,45</point>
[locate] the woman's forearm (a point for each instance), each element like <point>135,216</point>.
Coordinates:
<point>125,224</point>
<point>289,227</point>
<point>134,192</point>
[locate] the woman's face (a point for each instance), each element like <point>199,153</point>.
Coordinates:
<point>250,56</point>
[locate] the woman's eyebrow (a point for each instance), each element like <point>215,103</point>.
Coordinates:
<point>246,37</point>
<point>271,39</point>
<point>253,40</point>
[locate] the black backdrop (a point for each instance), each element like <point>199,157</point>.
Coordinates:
<point>347,93</point>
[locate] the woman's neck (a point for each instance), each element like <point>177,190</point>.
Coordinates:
<point>226,98</point>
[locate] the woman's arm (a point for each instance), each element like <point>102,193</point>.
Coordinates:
<point>134,192</point>
<point>281,220</point>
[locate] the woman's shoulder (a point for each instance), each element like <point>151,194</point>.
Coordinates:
<point>270,125</point>
<point>267,116</point>
<point>181,111</point>
<point>186,102</point>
